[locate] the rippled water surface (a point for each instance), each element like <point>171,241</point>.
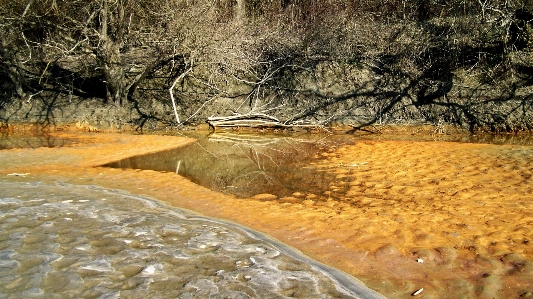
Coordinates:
<point>401,212</point>
<point>66,241</point>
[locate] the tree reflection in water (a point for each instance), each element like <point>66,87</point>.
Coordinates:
<point>246,165</point>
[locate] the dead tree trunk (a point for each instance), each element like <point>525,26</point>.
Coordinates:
<point>240,11</point>
<point>109,52</point>
<point>113,73</point>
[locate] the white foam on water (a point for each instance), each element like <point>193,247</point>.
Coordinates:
<point>110,218</point>
<point>153,269</point>
<point>110,295</point>
<point>98,265</point>
<point>83,247</point>
<point>173,228</point>
<point>6,254</point>
<point>8,201</point>
<point>88,213</point>
<point>180,255</point>
<point>203,285</point>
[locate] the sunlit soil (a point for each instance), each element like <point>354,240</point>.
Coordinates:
<point>462,213</point>
<point>455,219</point>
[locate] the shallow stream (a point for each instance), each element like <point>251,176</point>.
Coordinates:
<point>245,165</point>
<point>274,166</point>
<point>451,215</point>
<point>67,241</point>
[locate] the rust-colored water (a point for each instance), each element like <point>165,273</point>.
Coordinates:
<point>455,219</point>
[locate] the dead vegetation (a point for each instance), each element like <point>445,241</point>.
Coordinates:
<point>361,63</point>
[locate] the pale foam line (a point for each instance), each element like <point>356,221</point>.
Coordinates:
<point>345,283</point>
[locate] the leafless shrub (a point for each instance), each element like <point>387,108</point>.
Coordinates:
<point>464,62</point>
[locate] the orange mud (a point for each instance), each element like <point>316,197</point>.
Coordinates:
<point>454,219</point>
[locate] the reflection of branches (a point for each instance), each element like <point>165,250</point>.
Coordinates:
<point>33,141</point>
<point>254,156</point>
<point>237,138</point>
<point>257,174</point>
<point>261,153</point>
<point>206,150</point>
<point>259,140</point>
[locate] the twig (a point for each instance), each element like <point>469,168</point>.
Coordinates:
<point>172,93</point>
<point>18,174</point>
<point>199,109</point>
<point>178,167</point>
<point>26,9</point>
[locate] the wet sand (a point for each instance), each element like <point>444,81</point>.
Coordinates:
<point>455,219</point>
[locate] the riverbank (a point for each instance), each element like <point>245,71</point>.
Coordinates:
<point>416,214</point>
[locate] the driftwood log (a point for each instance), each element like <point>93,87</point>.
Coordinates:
<point>245,120</point>
<point>256,120</point>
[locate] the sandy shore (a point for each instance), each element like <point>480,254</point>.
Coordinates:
<point>455,219</point>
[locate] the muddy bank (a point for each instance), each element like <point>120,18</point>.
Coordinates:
<point>448,217</point>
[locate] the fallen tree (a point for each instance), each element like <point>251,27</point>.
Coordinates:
<point>255,120</point>
<point>246,120</point>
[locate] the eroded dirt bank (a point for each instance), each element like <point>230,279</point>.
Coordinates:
<point>455,219</point>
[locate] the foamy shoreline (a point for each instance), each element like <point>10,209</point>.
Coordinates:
<point>76,240</point>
